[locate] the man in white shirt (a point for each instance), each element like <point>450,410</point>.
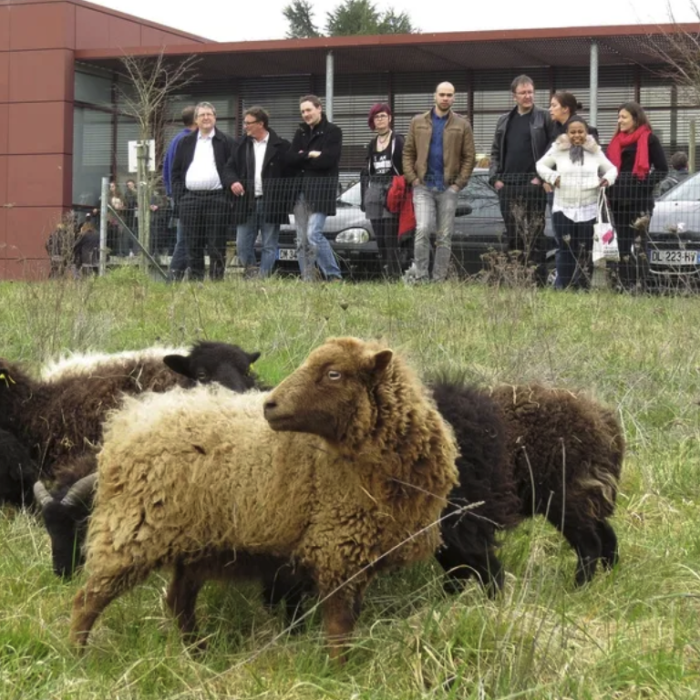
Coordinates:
<point>255,174</point>
<point>200,198</point>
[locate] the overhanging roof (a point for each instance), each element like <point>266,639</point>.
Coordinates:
<point>522,48</point>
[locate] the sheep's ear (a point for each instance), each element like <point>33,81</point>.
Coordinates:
<point>381,360</point>
<point>253,356</point>
<point>180,364</point>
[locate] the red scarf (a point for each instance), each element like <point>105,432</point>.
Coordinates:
<point>621,140</point>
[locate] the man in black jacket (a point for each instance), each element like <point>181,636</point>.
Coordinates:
<point>314,158</point>
<point>255,175</point>
<point>198,190</point>
<point>522,137</point>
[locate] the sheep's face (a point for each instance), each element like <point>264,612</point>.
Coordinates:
<point>332,393</point>
<point>209,362</point>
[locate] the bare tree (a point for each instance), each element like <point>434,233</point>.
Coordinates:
<point>678,48</point>
<point>150,83</point>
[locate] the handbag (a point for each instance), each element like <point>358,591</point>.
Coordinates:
<point>605,247</point>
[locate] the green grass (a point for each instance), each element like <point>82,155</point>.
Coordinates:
<point>631,633</point>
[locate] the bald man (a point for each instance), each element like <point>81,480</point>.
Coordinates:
<point>438,158</point>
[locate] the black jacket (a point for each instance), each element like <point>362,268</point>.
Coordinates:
<point>541,132</point>
<point>276,187</point>
<point>317,178</point>
<point>223,146</point>
<point>629,190</point>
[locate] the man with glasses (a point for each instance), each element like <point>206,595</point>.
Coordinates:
<point>203,203</point>
<point>314,159</point>
<point>522,137</point>
<point>438,159</point>
<point>255,175</point>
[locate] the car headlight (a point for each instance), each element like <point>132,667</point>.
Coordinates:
<point>353,235</point>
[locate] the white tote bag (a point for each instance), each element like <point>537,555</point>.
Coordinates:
<point>605,246</point>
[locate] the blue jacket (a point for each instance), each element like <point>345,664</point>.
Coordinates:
<point>168,161</point>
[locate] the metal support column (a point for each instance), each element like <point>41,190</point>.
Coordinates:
<point>593,114</point>
<point>329,86</point>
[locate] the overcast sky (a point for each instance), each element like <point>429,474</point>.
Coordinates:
<point>253,20</point>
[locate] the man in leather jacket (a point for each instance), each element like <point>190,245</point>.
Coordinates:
<point>522,137</point>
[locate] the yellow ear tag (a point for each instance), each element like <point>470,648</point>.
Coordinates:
<point>7,378</point>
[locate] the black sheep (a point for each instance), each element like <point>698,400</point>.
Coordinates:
<point>61,418</point>
<point>18,471</point>
<point>565,452</point>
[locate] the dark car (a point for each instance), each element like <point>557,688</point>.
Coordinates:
<point>479,230</point>
<point>673,242</point>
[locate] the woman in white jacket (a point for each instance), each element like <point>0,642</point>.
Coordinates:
<point>577,168</point>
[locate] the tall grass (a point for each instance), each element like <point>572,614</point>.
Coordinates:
<point>631,633</point>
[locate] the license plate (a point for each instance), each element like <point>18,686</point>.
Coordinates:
<point>287,254</point>
<point>674,257</point>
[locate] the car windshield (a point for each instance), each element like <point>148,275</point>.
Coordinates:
<point>686,191</point>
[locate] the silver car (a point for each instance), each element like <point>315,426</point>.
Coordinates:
<point>673,249</point>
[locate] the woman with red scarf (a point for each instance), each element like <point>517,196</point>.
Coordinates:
<point>637,154</point>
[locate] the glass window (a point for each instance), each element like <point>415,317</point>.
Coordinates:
<point>93,89</point>
<point>92,153</point>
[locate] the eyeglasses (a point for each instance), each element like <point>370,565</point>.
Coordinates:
<point>245,123</point>
<point>525,93</point>
<point>205,114</point>
<point>380,116</point>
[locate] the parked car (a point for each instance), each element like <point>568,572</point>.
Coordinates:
<point>479,229</point>
<point>673,249</point>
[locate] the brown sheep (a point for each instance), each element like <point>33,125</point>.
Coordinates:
<point>345,474</point>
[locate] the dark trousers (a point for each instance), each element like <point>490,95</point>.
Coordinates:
<point>574,245</point>
<point>523,209</point>
<point>386,232</point>
<point>205,217</point>
<point>631,268</point>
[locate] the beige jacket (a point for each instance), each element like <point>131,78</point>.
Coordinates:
<point>457,144</point>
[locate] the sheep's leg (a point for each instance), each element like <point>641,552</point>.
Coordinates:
<point>608,539</point>
<point>181,598</point>
<point>340,612</point>
<point>289,589</point>
<point>460,565</point>
<point>90,601</point>
<point>586,543</point>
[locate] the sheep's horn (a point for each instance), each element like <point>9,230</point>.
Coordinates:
<point>42,494</point>
<point>80,490</point>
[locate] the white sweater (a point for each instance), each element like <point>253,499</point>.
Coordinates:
<point>579,182</point>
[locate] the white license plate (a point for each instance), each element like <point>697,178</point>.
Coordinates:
<point>674,257</point>
<point>287,254</point>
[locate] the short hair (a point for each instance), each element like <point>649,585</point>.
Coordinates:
<point>636,112</point>
<point>377,109</point>
<point>521,80</point>
<point>315,101</point>
<point>568,101</point>
<point>679,160</point>
<point>204,105</point>
<point>188,115</point>
<point>259,113</point>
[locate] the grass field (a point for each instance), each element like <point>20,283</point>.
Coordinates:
<point>631,633</point>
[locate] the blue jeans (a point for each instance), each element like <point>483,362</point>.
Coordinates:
<point>313,247</point>
<point>245,240</point>
<point>574,243</point>
<point>180,260</point>
<point>435,212</point>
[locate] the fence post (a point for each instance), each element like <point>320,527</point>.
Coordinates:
<point>691,146</point>
<point>103,226</point>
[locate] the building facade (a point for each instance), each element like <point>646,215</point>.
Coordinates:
<point>63,125</point>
